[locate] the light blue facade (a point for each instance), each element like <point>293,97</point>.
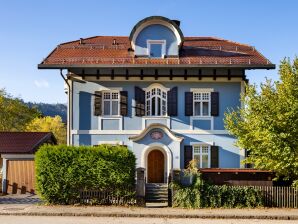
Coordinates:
<point>131,125</point>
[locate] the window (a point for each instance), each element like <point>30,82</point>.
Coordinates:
<point>201,102</point>
<point>156,102</point>
<point>110,103</point>
<point>156,48</point>
<point>201,153</point>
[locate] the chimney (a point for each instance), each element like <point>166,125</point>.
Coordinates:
<point>114,42</point>
<point>81,40</point>
<point>177,22</point>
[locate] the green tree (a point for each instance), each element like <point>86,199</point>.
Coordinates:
<point>267,125</point>
<point>49,124</point>
<point>14,114</point>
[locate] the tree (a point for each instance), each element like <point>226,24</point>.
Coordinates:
<point>49,124</point>
<point>14,114</point>
<point>267,125</point>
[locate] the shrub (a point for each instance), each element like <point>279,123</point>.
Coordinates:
<point>63,171</point>
<point>202,195</point>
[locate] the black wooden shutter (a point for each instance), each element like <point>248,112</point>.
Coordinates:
<point>214,157</point>
<point>187,155</point>
<point>140,101</point>
<point>173,102</point>
<point>98,103</point>
<point>214,104</point>
<point>188,103</point>
<point>123,103</point>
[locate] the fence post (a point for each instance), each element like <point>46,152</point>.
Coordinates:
<point>140,188</point>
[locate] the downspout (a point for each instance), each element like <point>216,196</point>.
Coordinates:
<point>68,127</point>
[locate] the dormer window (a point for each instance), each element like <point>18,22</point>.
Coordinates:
<point>156,48</point>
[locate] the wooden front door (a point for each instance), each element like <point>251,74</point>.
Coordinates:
<point>156,167</point>
<point>20,176</point>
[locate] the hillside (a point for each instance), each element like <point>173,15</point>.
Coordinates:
<point>51,109</point>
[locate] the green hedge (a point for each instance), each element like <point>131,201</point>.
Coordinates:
<point>204,195</point>
<point>62,171</point>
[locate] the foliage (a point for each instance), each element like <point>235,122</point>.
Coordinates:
<point>14,114</point>
<point>267,126</point>
<point>51,110</point>
<point>62,171</point>
<point>49,124</point>
<point>202,195</point>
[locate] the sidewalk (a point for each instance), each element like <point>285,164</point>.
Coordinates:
<point>149,212</point>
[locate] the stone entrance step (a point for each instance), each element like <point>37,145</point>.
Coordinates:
<point>156,192</point>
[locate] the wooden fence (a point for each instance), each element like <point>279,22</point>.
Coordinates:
<point>277,196</point>
<point>108,197</point>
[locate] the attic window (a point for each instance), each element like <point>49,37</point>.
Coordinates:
<point>156,48</point>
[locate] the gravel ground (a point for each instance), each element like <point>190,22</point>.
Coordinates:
<point>106,220</point>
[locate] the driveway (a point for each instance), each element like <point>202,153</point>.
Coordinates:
<point>22,199</point>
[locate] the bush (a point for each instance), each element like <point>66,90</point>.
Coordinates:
<point>63,171</point>
<point>204,195</point>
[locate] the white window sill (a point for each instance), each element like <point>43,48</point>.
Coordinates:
<point>156,117</point>
<point>111,116</point>
<point>201,117</point>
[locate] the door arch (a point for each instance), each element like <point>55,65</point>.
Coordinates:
<point>155,166</point>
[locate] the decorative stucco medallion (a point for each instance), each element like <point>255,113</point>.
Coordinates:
<point>156,135</point>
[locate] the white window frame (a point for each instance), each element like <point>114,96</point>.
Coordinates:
<point>149,90</point>
<point>201,154</point>
<point>110,100</point>
<point>201,101</point>
<point>163,47</point>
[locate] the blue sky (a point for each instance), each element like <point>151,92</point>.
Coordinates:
<point>31,29</point>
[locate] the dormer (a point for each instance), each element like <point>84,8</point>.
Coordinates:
<point>156,37</point>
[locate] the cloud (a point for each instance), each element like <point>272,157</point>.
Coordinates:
<point>41,83</point>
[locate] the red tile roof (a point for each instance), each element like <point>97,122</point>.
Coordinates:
<point>24,142</point>
<point>100,50</point>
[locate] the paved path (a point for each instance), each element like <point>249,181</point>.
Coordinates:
<point>111,220</point>
<point>137,212</point>
<point>25,199</point>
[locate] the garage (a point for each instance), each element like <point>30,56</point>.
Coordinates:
<point>17,154</point>
<point>20,176</point>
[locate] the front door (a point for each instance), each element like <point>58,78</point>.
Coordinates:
<point>155,167</point>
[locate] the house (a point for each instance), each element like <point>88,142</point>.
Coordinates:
<point>17,159</point>
<point>161,94</point>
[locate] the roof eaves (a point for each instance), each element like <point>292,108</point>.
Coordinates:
<point>245,66</point>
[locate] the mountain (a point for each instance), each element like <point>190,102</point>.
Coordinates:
<point>51,109</point>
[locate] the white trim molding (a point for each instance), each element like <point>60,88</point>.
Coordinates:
<point>136,132</point>
<point>163,44</point>
<point>116,117</point>
<point>159,126</point>
<point>110,142</point>
<point>17,156</point>
<point>167,155</point>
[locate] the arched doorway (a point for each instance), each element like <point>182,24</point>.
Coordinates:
<point>156,164</point>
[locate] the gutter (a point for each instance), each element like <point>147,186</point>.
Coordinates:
<point>68,127</point>
<point>66,66</point>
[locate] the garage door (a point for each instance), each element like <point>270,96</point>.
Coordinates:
<point>20,176</point>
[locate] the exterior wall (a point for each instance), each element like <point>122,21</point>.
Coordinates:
<point>156,32</point>
<point>88,129</point>
<point>83,118</point>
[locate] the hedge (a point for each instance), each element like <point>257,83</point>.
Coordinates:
<point>203,195</point>
<point>63,171</point>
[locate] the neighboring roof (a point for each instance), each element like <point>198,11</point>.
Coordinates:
<point>100,51</point>
<point>24,142</point>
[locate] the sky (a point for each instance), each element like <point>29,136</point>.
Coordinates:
<point>31,29</point>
